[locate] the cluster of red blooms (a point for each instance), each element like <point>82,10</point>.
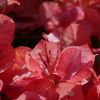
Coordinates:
<point>50,50</point>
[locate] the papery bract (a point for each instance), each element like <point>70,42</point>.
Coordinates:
<point>45,54</point>
<point>70,91</point>
<point>20,55</point>
<point>94,93</point>
<point>29,95</point>
<point>77,34</point>
<point>60,16</point>
<point>94,20</point>
<point>7,28</point>
<point>43,87</point>
<point>72,60</point>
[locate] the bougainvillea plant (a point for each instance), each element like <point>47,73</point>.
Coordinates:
<point>49,49</point>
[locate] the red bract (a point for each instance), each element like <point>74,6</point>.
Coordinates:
<point>72,60</point>
<point>43,87</point>
<point>7,6</point>
<point>20,55</point>
<point>33,66</point>
<point>29,95</point>
<point>94,93</point>
<point>47,57</point>
<point>54,15</point>
<point>77,33</point>
<point>94,19</point>
<point>7,28</point>
<point>45,54</point>
<point>6,58</point>
<point>70,91</point>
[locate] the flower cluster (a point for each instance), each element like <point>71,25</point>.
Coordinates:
<point>49,49</point>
